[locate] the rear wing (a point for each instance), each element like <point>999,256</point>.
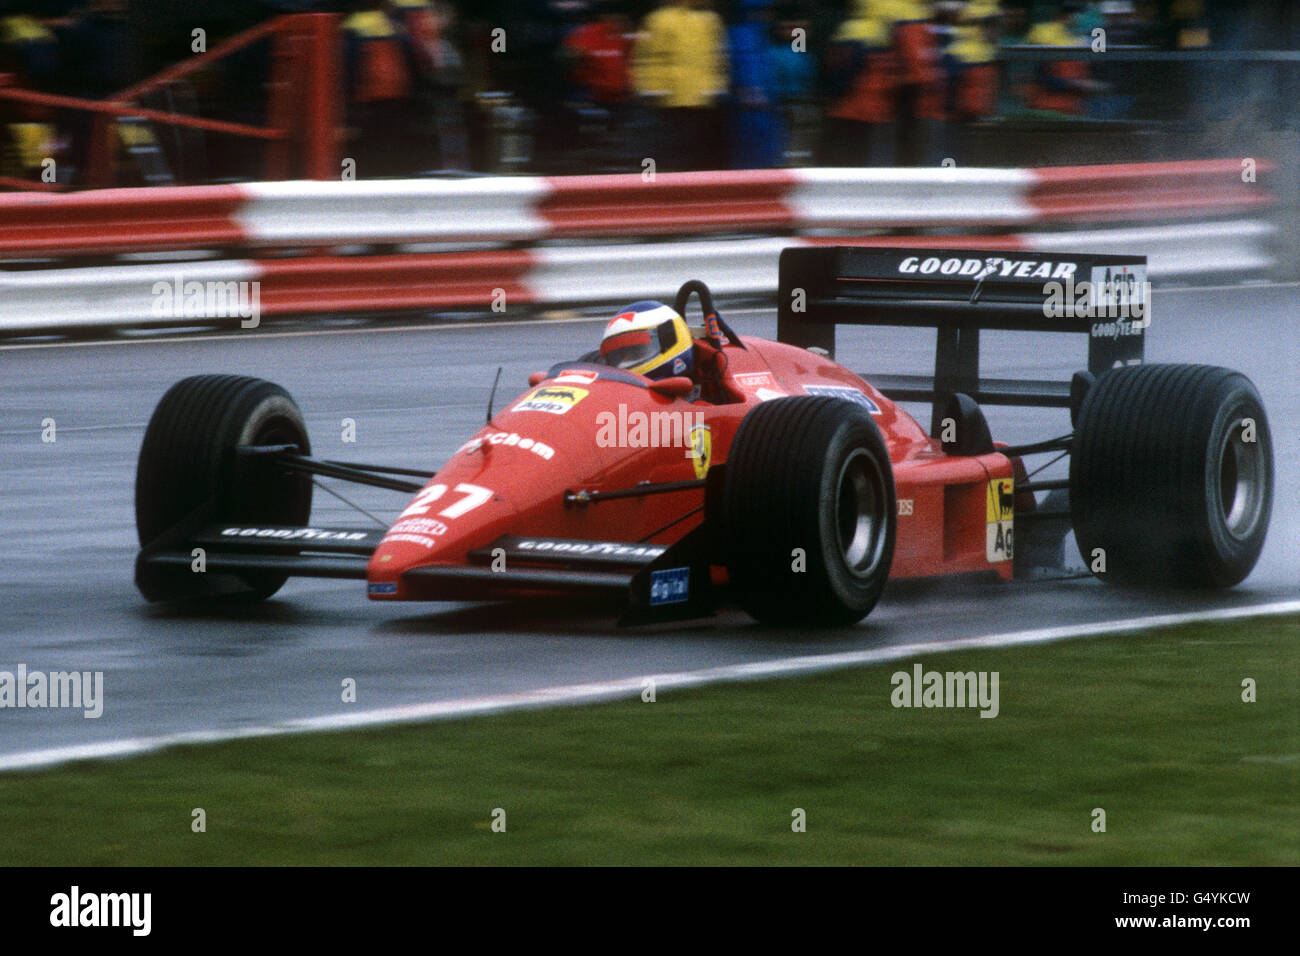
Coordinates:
<point>959,293</point>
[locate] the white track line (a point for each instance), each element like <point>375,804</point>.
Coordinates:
<point>574,694</point>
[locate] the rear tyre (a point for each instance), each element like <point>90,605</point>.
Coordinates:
<point>187,469</point>
<point>1171,476</point>
<point>808,512</point>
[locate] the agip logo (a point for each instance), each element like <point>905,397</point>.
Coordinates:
<point>1000,513</point>
<point>554,399</point>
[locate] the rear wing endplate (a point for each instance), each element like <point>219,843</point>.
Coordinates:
<point>960,293</point>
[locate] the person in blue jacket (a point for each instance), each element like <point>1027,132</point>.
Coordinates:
<point>756,129</point>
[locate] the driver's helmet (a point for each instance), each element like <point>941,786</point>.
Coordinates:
<point>649,338</point>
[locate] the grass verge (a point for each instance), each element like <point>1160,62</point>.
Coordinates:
<point>1151,728</point>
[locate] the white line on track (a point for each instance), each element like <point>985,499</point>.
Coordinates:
<point>575,694</point>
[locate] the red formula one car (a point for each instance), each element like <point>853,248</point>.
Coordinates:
<point>776,479</point>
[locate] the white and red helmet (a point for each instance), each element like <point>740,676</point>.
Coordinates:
<point>649,338</point>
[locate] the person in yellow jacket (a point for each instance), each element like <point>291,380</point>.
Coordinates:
<point>861,72</point>
<point>29,49</point>
<point>679,68</point>
<point>973,86</point>
<point>1061,85</point>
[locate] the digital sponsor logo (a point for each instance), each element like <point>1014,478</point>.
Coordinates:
<point>381,587</point>
<point>993,267</point>
<point>553,399</point>
<point>670,586</point>
<point>509,440</point>
<point>922,688</point>
<point>294,534</point>
<point>587,548</point>
<point>74,690</point>
<point>639,429</point>
<point>843,391</point>
<point>1000,512</point>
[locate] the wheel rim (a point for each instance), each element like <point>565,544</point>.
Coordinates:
<point>859,513</point>
<point>277,431</point>
<point>260,493</point>
<point>1240,481</point>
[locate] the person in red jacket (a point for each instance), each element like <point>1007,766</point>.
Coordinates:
<point>600,53</point>
<point>921,79</point>
<point>1061,86</point>
<point>974,82</point>
<point>380,76</point>
<point>862,76</point>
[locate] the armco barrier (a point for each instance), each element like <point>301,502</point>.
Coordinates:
<point>67,299</point>
<point>1158,190</point>
<point>527,209</point>
<point>518,241</point>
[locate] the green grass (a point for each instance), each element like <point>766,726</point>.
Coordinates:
<point>1150,727</point>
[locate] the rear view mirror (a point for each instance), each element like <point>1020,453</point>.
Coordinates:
<point>678,386</point>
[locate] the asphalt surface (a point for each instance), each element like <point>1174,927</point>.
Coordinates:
<point>67,535</point>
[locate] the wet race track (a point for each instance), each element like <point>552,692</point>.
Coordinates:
<point>67,534</point>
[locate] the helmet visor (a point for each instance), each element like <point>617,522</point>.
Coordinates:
<point>630,349</point>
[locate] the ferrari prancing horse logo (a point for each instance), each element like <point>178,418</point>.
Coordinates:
<point>701,450</point>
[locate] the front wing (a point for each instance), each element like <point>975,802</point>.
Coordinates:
<point>656,582</point>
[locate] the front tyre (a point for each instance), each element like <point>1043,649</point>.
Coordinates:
<point>187,468</point>
<point>808,512</point>
<point>1171,476</point>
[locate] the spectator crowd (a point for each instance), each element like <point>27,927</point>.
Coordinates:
<point>600,85</point>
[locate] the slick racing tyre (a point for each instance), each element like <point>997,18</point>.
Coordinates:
<point>1171,476</point>
<point>808,512</point>
<point>187,471</point>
